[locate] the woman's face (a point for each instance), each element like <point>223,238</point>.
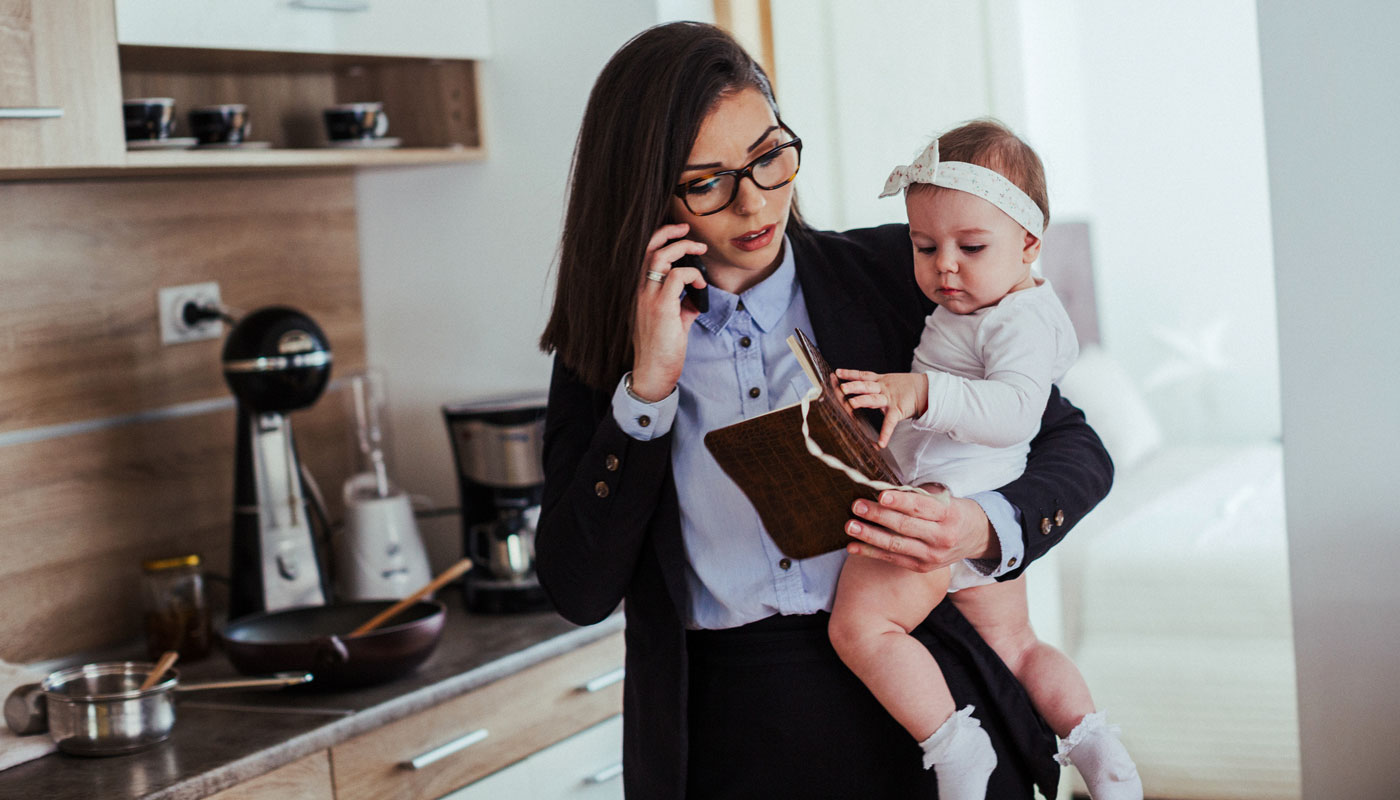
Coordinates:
<point>746,239</point>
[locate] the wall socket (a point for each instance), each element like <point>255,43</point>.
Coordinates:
<point>171,302</point>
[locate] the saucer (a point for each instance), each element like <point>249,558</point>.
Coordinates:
<point>234,146</point>
<point>366,143</point>
<point>181,143</point>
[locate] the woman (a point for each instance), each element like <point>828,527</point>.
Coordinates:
<point>733,689</point>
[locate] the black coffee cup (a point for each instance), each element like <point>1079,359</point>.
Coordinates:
<point>349,121</point>
<point>149,118</point>
<point>226,123</point>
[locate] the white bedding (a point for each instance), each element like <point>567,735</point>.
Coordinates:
<point>1176,608</point>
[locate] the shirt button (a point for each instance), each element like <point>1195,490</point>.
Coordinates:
<point>1011,562</point>
<point>1045,525</point>
<point>745,342</point>
<point>1059,518</point>
<point>644,420</point>
<point>601,488</point>
<point>740,307</point>
<point>754,392</point>
<point>611,463</point>
<point>785,564</point>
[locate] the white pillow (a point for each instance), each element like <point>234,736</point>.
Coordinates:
<point>1113,405</point>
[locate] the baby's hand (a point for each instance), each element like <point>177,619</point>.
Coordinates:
<point>900,394</point>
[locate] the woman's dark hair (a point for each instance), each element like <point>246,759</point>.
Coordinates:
<point>643,116</point>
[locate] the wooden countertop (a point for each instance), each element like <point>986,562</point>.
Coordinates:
<point>222,739</point>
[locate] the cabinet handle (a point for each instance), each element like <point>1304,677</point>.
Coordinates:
<point>352,6</point>
<point>439,753</point>
<point>603,681</point>
<point>605,774</point>
<point>32,112</point>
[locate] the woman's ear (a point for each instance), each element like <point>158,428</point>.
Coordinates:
<point>1031,251</point>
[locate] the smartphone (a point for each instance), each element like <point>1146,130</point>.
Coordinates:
<point>700,298</point>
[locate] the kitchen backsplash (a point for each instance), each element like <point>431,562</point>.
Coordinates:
<point>114,448</point>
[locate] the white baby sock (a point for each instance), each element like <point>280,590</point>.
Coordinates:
<point>962,757</point>
<point>1103,762</point>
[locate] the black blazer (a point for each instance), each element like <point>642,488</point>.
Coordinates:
<point>606,535</point>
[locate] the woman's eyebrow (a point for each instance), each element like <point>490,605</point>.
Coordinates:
<point>715,164</point>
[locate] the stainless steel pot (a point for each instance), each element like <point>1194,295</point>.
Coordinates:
<point>100,710</point>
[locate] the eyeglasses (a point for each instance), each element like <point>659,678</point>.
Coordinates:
<point>774,169</point>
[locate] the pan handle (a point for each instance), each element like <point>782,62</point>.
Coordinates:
<point>276,681</point>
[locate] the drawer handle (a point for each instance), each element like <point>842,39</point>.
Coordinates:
<point>605,774</point>
<point>351,6</point>
<point>31,112</point>
<point>439,753</point>
<point>603,681</point>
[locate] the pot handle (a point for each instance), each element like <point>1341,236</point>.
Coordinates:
<point>26,711</point>
<point>330,651</point>
<point>276,681</point>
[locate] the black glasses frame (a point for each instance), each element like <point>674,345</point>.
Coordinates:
<point>741,174</point>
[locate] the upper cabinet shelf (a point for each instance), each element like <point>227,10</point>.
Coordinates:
<point>286,60</point>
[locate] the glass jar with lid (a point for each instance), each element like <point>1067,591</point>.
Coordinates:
<point>176,610</point>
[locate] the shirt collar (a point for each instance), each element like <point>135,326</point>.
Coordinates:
<point>766,302</point>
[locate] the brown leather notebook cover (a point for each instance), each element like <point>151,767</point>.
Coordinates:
<point>803,503</point>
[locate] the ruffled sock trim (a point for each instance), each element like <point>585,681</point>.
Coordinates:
<point>1088,725</point>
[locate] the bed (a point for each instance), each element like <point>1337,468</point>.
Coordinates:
<point>1173,595</point>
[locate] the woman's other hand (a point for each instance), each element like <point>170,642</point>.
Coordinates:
<point>900,395</point>
<point>921,533</point>
<point>663,323</point>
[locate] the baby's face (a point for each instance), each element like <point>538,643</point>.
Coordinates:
<point>968,254</point>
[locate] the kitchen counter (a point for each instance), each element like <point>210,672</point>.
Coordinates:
<point>227,737</point>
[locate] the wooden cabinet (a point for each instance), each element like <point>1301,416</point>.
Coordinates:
<point>419,28</point>
<point>456,743</point>
<point>306,779</point>
<point>60,99</point>
<point>287,60</point>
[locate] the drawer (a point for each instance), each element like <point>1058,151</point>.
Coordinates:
<point>307,779</point>
<point>469,737</point>
<point>426,28</point>
<point>585,766</point>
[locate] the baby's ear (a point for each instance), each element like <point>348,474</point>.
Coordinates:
<point>1031,250</point>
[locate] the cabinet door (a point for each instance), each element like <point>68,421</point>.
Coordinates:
<point>60,93</point>
<point>426,28</point>
<point>585,766</point>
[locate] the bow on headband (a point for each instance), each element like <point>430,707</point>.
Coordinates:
<point>980,181</point>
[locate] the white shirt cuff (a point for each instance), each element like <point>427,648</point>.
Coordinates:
<point>1006,521</point>
<point>640,420</point>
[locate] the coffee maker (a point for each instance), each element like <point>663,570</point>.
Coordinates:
<point>276,360</point>
<point>498,446</point>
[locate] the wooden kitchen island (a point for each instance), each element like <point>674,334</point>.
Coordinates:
<point>529,681</point>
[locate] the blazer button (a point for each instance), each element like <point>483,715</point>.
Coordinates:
<point>644,420</point>
<point>601,488</point>
<point>1059,518</point>
<point>611,463</point>
<point>1044,525</point>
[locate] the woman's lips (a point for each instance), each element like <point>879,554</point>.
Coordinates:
<point>754,240</point>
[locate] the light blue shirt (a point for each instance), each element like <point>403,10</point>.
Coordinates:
<point>735,574</point>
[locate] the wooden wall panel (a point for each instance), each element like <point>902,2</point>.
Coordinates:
<point>80,264</point>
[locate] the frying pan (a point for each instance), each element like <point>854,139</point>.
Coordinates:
<point>316,639</point>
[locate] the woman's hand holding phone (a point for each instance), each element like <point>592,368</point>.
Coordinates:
<point>662,324</point>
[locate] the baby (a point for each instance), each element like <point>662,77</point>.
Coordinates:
<point>964,417</point>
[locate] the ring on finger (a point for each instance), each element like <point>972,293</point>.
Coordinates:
<point>653,275</point>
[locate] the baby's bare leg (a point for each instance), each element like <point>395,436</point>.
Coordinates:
<point>877,605</point>
<point>1000,613</point>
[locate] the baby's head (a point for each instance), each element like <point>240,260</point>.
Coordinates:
<point>977,206</point>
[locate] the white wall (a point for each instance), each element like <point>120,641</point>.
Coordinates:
<point>1329,101</point>
<point>456,260</point>
<point>1149,118</point>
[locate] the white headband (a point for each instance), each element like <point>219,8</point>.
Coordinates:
<point>980,181</point>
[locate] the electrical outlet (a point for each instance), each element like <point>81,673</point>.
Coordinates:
<point>170,304</point>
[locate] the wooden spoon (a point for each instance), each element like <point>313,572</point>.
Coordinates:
<point>167,660</point>
<point>452,573</point>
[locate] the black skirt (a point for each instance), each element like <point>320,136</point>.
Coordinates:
<point>773,713</point>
